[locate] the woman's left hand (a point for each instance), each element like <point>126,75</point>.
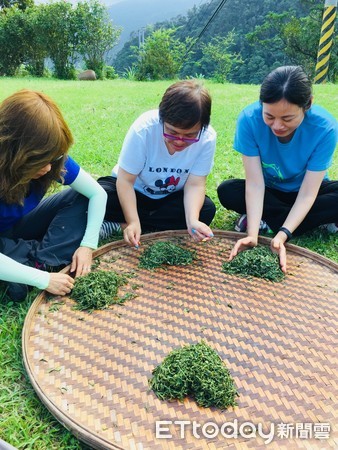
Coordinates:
<point>277,246</point>
<point>82,261</point>
<point>242,245</point>
<point>199,231</point>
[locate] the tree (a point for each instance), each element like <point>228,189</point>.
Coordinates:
<point>161,56</point>
<point>21,42</point>
<point>95,33</point>
<point>36,42</point>
<point>301,36</point>
<point>58,28</point>
<point>267,49</point>
<point>239,15</point>
<point>297,36</point>
<point>20,4</point>
<point>13,40</point>
<point>220,60</point>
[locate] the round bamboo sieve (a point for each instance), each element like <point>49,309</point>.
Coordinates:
<point>279,341</point>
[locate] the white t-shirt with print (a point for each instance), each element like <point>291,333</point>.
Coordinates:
<point>159,174</point>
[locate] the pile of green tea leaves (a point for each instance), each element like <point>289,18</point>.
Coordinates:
<point>98,290</point>
<point>257,262</point>
<point>197,371</point>
<point>165,253</point>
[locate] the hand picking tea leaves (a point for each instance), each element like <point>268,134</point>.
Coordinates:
<point>257,262</point>
<point>98,290</point>
<point>165,253</point>
<point>197,371</point>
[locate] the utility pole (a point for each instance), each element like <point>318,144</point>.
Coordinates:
<point>326,41</point>
<point>141,38</point>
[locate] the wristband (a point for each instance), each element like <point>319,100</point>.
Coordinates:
<point>287,232</point>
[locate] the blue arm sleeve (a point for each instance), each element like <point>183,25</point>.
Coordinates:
<point>13,271</point>
<point>87,186</point>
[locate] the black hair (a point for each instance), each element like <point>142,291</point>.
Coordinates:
<point>287,82</point>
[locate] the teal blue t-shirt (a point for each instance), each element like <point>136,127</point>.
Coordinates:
<point>284,165</point>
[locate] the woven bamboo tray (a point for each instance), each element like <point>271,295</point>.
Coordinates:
<point>279,341</point>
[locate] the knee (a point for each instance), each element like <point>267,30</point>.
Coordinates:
<point>228,192</point>
<point>109,184</point>
<point>224,191</point>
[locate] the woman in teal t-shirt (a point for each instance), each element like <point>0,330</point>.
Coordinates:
<point>287,145</point>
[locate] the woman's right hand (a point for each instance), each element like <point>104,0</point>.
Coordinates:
<point>132,234</point>
<point>241,245</point>
<point>277,246</point>
<point>60,284</point>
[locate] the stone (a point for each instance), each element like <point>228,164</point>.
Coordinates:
<point>87,75</point>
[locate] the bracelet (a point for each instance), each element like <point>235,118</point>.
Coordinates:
<point>287,232</point>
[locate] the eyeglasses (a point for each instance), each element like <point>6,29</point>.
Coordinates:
<point>171,137</point>
<point>57,159</point>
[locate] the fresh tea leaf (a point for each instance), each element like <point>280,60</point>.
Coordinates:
<point>165,253</point>
<point>97,290</point>
<point>257,262</point>
<point>198,371</point>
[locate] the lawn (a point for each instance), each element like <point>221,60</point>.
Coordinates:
<point>99,114</point>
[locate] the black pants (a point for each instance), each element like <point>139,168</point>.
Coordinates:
<point>155,214</point>
<point>277,204</point>
<point>50,233</point>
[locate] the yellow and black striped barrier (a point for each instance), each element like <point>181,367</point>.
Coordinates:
<point>326,40</point>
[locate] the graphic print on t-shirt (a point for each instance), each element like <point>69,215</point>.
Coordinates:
<point>274,171</point>
<point>166,186</point>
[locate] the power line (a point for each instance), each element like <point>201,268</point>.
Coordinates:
<point>217,10</point>
<point>195,17</point>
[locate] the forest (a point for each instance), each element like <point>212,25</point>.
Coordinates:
<point>244,41</point>
<point>236,41</point>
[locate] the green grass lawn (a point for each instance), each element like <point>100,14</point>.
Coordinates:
<point>99,114</point>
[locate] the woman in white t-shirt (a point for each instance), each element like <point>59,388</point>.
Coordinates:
<point>159,181</point>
